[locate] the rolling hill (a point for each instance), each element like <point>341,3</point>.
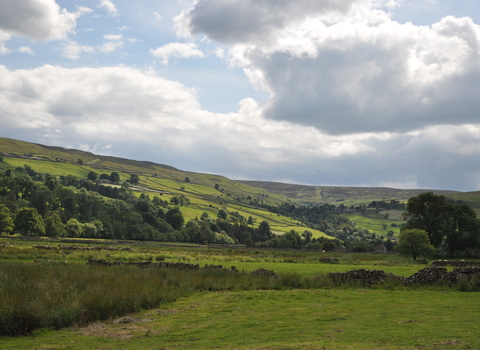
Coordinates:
<point>206,192</point>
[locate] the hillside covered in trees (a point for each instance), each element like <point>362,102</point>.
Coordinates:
<point>49,191</point>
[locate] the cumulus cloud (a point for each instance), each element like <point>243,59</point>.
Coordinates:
<point>3,38</point>
<point>84,9</point>
<point>110,46</point>
<point>112,37</point>
<point>242,20</point>
<point>109,6</point>
<point>26,49</point>
<point>177,50</point>
<point>143,116</point>
<point>36,19</point>
<point>73,50</point>
<point>344,66</point>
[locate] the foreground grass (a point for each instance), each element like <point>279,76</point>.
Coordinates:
<point>56,295</point>
<point>285,319</point>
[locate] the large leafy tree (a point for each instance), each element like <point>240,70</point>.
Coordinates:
<point>427,212</point>
<point>74,228</point>
<point>6,220</point>
<point>454,226</point>
<point>42,199</point>
<point>415,243</point>
<point>29,223</point>
<point>54,227</point>
<point>462,229</point>
<point>92,176</point>
<point>114,177</point>
<point>134,179</point>
<point>175,218</point>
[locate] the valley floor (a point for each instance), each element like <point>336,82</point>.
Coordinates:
<point>285,319</point>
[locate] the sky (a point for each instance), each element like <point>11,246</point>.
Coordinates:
<point>382,93</point>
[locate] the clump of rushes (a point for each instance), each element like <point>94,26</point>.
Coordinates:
<point>56,295</point>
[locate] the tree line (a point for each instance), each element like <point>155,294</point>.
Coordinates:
<point>437,225</point>
<point>33,204</point>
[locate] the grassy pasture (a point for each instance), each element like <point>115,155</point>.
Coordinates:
<point>302,309</point>
<point>375,223</point>
<point>304,263</point>
<point>285,319</point>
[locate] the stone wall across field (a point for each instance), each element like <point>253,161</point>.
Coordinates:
<point>368,277</point>
<point>424,276</point>
<point>455,263</point>
<point>76,247</point>
<point>428,275</point>
<point>165,264</point>
<point>176,265</point>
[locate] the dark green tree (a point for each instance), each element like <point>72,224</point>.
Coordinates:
<point>222,214</point>
<point>6,220</point>
<point>264,230</point>
<point>54,227</point>
<point>328,246</point>
<point>294,238</point>
<point>92,176</point>
<point>74,228</point>
<point>462,229</point>
<point>115,178</point>
<point>415,243</point>
<point>29,223</point>
<point>427,212</point>
<point>174,217</point>
<point>69,180</point>
<point>51,182</point>
<point>134,179</point>
<point>42,199</point>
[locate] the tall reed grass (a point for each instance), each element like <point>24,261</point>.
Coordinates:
<point>59,295</point>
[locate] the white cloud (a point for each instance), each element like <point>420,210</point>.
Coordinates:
<point>109,6</point>
<point>157,16</point>
<point>177,50</point>
<point>26,49</point>
<point>4,37</point>
<point>144,116</point>
<point>345,67</point>
<point>220,53</point>
<point>242,20</point>
<point>36,19</point>
<point>110,46</point>
<point>73,50</point>
<point>112,37</point>
<point>84,9</point>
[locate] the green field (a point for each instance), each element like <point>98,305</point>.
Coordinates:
<point>299,319</point>
<point>374,223</point>
<point>218,309</point>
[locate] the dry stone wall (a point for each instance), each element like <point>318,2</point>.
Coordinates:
<point>455,263</point>
<point>424,276</point>
<point>77,247</point>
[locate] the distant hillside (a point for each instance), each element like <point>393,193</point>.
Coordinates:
<point>270,192</point>
<point>307,195</point>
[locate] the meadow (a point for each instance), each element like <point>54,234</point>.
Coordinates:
<point>63,303</point>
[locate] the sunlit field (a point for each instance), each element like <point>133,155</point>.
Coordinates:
<point>60,301</point>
